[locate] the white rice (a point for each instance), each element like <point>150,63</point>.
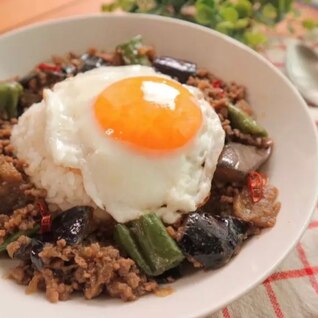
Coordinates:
<point>64,185</point>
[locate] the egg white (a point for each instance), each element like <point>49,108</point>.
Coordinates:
<point>115,176</point>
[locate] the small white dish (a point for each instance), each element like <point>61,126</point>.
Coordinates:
<point>293,167</point>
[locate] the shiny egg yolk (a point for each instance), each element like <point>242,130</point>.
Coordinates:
<point>149,112</point>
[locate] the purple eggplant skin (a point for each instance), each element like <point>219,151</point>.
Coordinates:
<point>91,61</point>
<point>212,240</point>
<point>237,160</point>
<point>36,249</point>
<point>72,225</point>
<point>30,252</point>
<point>23,253</point>
<point>169,276</point>
<point>175,68</point>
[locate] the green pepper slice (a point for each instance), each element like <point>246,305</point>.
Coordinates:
<point>147,242</point>
<point>9,97</point>
<point>130,52</point>
<point>245,123</point>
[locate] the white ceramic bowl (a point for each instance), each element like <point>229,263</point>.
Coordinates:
<point>292,168</point>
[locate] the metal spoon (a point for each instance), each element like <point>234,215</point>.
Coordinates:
<point>302,70</point>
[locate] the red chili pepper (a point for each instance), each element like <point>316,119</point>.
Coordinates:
<point>221,93</point>
<point>41,205</point>
<point>217,83</point>
<point>49,67</point>
<point>46,220</point>
<point>46,223</point>
<point>256,184</point>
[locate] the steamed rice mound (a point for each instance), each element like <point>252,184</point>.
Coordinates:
<point>64,186</point>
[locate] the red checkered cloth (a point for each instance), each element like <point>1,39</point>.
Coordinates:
<point>292,291</point>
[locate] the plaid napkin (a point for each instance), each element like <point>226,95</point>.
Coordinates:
<point>292,291</point>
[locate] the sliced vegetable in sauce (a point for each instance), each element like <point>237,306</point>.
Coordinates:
<point>175,68</point>
<point>237,160</point>
<point>147,242</point>
<point>124,239</point>
<point>9,99</point>
<point>210,241</point>
<point>90,62</point>
<point>46,220</point>
<point>46,67</point>
<point>256,183</point>
<point>36,248</point>
<point>130,52</point>
<point>245,123</point>
<point>72,225</point>
<point>261,214</point>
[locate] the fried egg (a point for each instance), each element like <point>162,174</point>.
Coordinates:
<point>137,141</point>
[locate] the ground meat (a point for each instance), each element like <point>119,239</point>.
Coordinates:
<point>171,231</point>
<point>219,94</point>
<point>221,198</point>
<point>18,195</point>
<point>66,66</point>
<point>11,194</point>
<point>22,219</point>
<point>92,270</point>
<point>21,274</point>
<point>15,246</point>
<point>261,214</point>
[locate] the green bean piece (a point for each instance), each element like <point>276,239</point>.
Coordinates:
<point>245,123</point>
<point>130,52</point>
<point>158,248</point>
<point>147,242</point>
<point>15,236</point>
<point>9,97</point>
<point>123,238</point>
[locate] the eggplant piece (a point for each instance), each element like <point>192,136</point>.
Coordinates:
<point>24,81</point>
<point>27,99</point>
<point>176,68</point>
<point>210,240</point>
<point>91,61</point>
<point>35,249</point>
<point>30,252</point>
<point>169,276</point>
<point>51,77</point>
<point>72,225</point>
<point>23,253</point>
<point>237,160</point>
<point>69,70</point>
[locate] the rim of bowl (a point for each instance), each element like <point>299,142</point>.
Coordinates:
<point>301,101</point>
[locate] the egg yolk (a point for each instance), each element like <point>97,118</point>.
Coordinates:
<point>148,112</point>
